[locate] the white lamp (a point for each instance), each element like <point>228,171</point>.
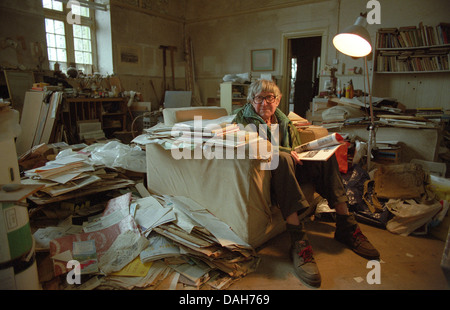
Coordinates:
<point>354,41</point>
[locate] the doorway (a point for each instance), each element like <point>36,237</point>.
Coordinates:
<point>304,56</point>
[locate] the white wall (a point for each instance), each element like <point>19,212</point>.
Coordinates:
<point>222,39</point>
<point>22,23</point>
<point>104,42</point>
<point>144,33</point>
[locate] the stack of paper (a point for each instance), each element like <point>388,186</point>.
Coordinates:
<point>68,174</point>
<point>298,121</point>
<point>204,133</point>
<point>195,273</point>
<point>202,235</point>
<point>64,175</point>
<point>159,247</point>
<point>140,242</point>
<point>90,129</point>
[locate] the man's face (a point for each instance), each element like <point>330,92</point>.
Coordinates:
<point>265,104</point>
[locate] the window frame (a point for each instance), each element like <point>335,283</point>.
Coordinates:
<point>68,28</point>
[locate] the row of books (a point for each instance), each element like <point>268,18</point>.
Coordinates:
<point>413,36</point>
<point>411,63</point>
<point>432,112</point>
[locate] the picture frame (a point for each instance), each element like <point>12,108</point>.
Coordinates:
<point>262,59</point>
<point>129,55</point>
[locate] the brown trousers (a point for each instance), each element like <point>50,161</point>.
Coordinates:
<point>288,178</point>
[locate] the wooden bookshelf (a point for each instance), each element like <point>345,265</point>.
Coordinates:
<point>233,95</point>
<point>110,112</point>
<point>413,49</point>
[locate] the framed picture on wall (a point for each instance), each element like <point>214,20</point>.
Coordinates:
<point>129,55</point>
<point>263,60</point>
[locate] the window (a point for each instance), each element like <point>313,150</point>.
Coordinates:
<point>56,40</point>
<point>70,35</point>
<point>82,44</point>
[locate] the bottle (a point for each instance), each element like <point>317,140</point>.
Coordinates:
<point>338,89</point>
<point>347,91</point>
<point>351,89</point>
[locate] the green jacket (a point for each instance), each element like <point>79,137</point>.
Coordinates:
<point>289,136</point>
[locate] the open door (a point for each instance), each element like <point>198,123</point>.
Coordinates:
<point>304,56</point>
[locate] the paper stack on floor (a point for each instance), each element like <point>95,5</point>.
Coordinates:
<point>69,174</point>
<point>142,241</point>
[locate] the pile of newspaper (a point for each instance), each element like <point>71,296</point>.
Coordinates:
<point>206,134</point>
<point>144,242</point>
<point>91,170</point>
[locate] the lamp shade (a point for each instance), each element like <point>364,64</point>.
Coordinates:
<point>354,40</point>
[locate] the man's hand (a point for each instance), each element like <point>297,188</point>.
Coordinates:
<point>296,158</point>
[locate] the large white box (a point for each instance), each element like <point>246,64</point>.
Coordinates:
<point>236,191</point>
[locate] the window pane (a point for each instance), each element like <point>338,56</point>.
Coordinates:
<point>84,12</point>
<point>52,54</point>
<point>47,4</point>
<point>59,27</point>
<point>79,57</point>
<point>87,58</point>
<point>49,25</point>
<point>56,40</point>
<point>62,55</point>
<point>57,5</point>
<point>52,5</point>
<point>60,41</point>
<point>82,44</point>
<point>51,42</point>
<point>86,45</point>
<point>77,31</point>
<point>86,32</point>
<point>75,9</point>
<point>78,45</point>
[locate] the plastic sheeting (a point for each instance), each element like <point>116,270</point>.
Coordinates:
<point>117,155</point>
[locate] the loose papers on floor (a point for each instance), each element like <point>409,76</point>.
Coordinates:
<point>73,174</point>
<point>156,236</point>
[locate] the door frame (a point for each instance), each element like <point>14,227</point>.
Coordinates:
<point>285,52</point>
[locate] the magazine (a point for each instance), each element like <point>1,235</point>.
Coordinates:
<point>320,149</point>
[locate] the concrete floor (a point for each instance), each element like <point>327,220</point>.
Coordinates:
<point>406,263</point>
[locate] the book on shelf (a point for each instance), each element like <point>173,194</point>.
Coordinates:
<point>414,36</point>
<point>414,61</point>
<point>430,112</point>
<point>320,149</point>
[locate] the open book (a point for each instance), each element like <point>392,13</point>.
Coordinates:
<point>320,149</point>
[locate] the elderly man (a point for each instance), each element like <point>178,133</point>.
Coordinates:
<point>263,98</point>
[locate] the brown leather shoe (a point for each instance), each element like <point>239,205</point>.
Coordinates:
<point>349,233</point>
<point>305,266</point>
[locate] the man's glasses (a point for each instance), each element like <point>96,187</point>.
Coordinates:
<point>269,99</point>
